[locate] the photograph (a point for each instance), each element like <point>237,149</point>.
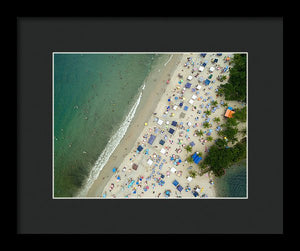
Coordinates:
<point>149,125</point>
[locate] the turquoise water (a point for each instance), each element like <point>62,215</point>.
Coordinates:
<point>92,95</point>
<point>234,182</point>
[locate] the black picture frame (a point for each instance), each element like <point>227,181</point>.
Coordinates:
<point>261,213</point>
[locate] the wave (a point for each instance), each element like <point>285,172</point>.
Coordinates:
<point>168,60</point>
<point>110,147</point>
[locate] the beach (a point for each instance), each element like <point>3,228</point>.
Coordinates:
<point>159,169</point>
<point>153,90</point>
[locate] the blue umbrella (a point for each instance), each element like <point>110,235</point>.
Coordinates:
<point>114,169</point>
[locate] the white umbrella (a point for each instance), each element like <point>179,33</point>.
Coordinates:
<point>163,151</point>
<point>149,162</point>
<point>159,122</point>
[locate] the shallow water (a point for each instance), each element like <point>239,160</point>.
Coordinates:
<point>234,182</point>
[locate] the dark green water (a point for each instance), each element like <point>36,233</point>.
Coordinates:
<point>234,182</point>
<point>92,95</point>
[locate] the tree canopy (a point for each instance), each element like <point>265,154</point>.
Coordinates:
<point>241,114</point>
<point>220,156</point>
<point>236,87</point>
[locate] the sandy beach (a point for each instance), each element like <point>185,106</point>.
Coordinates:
<point>167,102</point>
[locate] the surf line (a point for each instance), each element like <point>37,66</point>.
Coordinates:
<point>168,60</point>
<point>109,149</point>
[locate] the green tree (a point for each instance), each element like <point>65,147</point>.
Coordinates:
<point>241,114</point>
<point>217,119</point>
<point>199,133</point>
<point>221,143</point>
<point>189,159</point>
<point>235,88</point>
<point>223,78</point>
<point>209,138</point>
<point>231,122</point>
<point>188,148</point>
<point>230,133</point>
<point>220,156</point>
<point>192,173</point>
<point>207,112</point>
<point>214,103</point>
<point>202,165</point>
<point>206,125</point>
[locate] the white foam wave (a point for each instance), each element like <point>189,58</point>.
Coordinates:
<point>110,147</point>
<point>168,60</point>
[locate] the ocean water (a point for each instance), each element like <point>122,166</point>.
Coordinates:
<point>93,96</point>
<point>234,182</point>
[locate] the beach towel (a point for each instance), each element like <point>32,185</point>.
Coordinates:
<point>151,139</point>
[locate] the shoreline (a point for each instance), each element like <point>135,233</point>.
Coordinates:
<point>154,89</point>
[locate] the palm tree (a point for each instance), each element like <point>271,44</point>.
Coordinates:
<point>206,125</point>
<point>217,119</point>
<point>214,103</point>
<point>188,148</point>
<point>223,77</point>
<point>209,138</point>
<point>207,112</point>
<point>190,159</point>
<point>199,133</point>
<point>192,173</point>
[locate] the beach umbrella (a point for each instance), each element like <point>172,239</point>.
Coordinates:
<point>114,169</point>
